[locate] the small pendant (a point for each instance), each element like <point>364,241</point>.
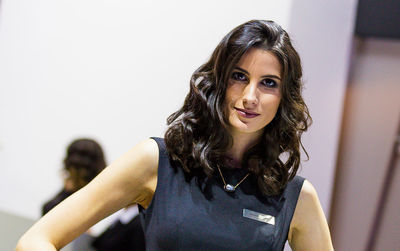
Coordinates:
<point>229,188</point>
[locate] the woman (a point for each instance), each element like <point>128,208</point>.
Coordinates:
<point>84,161</point>
<point>225,176</point>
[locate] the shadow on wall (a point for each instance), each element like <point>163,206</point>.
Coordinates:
<point>365,203</point>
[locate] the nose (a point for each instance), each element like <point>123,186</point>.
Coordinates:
<point>250,96</point>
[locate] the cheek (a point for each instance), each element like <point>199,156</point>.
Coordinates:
<point>277,103</point>
<point>272,104</point>
<point>234,89</point>
<point>271,108</point>
<point>229,97</point>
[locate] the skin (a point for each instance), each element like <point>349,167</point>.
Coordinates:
<point>74,180</point>
<point>253,87</point>
<point>256,89</point>
<point>309,230</point>
<point>132,179</point>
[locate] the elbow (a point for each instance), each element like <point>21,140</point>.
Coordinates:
<point>22,244</point>
<point>28,243</point>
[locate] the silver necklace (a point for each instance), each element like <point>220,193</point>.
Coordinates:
<point>228,187</point>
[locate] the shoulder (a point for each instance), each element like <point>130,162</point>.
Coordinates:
<point>145,152</point>
<point>309,222</point>
<point>307,204</point>
<point>144,157</point>
<point>149,149</point>
<point>308,194</point>
<point>308,218</point>
<point>136,171</point>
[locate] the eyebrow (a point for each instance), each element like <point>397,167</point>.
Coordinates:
<point>264,76</point>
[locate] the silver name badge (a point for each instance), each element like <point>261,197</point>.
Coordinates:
<point>259,216</point>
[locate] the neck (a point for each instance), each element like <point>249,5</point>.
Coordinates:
<point>241,143</point>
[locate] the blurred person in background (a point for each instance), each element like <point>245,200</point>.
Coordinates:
<point>83,161</point>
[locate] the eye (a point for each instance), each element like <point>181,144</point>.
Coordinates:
<point>239,76</point>
<point>270,83</point>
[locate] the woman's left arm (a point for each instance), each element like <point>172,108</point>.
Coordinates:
<point>309,229</point>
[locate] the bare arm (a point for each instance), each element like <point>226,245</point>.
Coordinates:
<point>130,179</point>
<point>309,229</point>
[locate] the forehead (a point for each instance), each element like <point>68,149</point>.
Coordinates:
<point>260,61</point>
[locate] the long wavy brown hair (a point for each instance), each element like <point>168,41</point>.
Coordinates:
<point>198,136</point>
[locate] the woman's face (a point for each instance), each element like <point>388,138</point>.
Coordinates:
<point>253,92</point>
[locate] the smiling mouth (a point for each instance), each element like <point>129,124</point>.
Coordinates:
<point>246,113</point>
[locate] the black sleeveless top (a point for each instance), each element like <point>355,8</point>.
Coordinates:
<point>192,213</point>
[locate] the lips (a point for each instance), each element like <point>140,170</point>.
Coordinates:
<point>246,113</point>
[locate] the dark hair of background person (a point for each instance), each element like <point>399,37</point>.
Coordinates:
<point>83,161</point>
<point>198,135</point>
<point>85,155</point>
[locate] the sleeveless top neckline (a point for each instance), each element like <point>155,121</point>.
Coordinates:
<point>192,213</point>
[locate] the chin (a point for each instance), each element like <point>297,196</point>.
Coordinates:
<point>243,128</point>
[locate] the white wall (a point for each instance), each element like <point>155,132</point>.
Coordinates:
<point>112,70</point>
<point>322,32</point>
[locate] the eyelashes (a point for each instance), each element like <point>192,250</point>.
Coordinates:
<point>239,76</point>
<point>270,83</point>
<point>266,82</point>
